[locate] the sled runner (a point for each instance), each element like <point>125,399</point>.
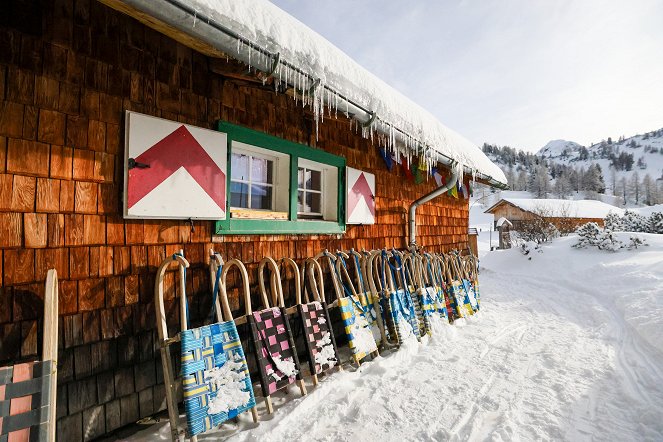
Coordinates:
<point>28,390</point>
<point>272,338</point>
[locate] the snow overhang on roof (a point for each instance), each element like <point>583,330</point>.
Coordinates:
<point>268,39</point>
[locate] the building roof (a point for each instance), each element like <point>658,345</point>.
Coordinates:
<point>269,28</point>
<point>556,208</point>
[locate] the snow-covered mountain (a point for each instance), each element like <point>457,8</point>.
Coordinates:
<point>629,168</point>
<point>560,149</point>
<point>641,153</point>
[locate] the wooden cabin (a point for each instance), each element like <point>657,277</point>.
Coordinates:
<point>80,82</point>
<point>566,215</point>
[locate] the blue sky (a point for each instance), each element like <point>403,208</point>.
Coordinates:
<point>514,72</point>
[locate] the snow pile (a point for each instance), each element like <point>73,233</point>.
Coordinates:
<point>568,346</point>
<point>229,380</point>
<point>285,366</point>
<point>405,331</point>
<point>271,28</point>
<point>325,354</point>
<point>363,341</point>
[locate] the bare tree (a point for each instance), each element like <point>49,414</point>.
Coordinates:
<point>635,187</point>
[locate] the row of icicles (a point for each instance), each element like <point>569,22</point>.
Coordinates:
<point>314,93</point>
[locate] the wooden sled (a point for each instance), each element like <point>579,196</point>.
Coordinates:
<point>401,307</point>
<point>461,302</point>
<point>275,351</point>
<point>314,316</point>
<point>28,390</point>
<point>204,352</point>
<point>353,313</point>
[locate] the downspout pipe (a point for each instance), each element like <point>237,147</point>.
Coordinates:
<point>412,218</point>
<point>181,16</point>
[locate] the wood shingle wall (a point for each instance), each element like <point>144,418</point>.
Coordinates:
<point>68,70</point>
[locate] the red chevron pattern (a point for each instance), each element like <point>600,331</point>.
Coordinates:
<point>179,149</point>
<point>361,189</point>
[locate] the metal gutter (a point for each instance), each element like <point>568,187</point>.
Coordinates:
<point>412,213</point>
<point>184,18</point>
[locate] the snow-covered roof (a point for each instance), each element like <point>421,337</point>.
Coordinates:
<point>264,24</point>
<point>501,221</point>
<point>563,208</point>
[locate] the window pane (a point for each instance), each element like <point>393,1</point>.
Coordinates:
<point>240,167</point>
<point>315,180</point>
<point>261,197</point>
<point>300,201</point>
<point>261,170</point>
<point>300,177</point>
<point>307,179</point>
<point>239,195</point>
<point>313,201</point>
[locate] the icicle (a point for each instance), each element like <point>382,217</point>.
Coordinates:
<point>336,105</point>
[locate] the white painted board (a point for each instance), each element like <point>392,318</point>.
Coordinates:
<point>186,177</point>
<point>360,198</point>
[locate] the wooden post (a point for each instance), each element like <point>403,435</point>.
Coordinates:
<point>50,344</point>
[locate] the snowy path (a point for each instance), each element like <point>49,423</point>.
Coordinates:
<point>568,346</point>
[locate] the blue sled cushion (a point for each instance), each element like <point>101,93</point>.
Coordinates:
<point>215,379</point>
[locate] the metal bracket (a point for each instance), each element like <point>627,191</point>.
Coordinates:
<point>132,163</point>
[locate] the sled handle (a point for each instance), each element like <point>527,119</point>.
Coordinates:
<point>223,291</point>
<point>298,282</point>
<point>343,271</point>
<point>274,280</point>
<point>216,262</point>
<point>314,271</point>
<point>331,260</point>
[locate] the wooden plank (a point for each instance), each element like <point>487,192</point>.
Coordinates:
<point>77,131</point>
<point>19,266</point>
<point>257,214</point>
<point>11,230</point>
<point>61,162</point>
<point>23,193</point>
<point>35,228</point>
<point>48,195</point>
<point>51,127</point>
<point>83,164</point>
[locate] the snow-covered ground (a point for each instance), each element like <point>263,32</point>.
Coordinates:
<point>568,346</point>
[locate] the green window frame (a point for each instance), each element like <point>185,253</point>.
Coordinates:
<point>295,151</point>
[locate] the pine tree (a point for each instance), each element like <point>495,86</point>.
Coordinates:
<point>655,222</point>
<point>613,221</point>
<point>634,222</point>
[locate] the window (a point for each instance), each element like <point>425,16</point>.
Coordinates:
<point>309,192</point>
<point>251,182</point>
<point>275,186</point>
<point>258,182</point>
<point>317,190</point>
